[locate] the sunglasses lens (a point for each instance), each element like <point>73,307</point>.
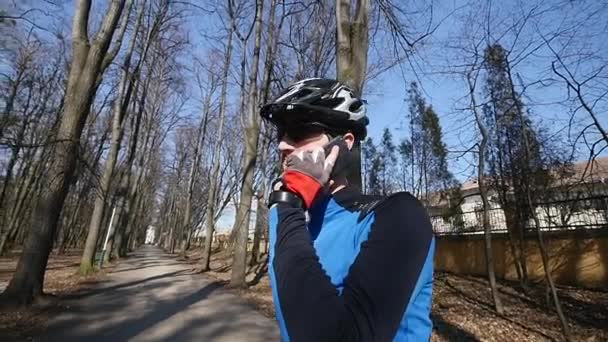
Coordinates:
<point>299,133</point>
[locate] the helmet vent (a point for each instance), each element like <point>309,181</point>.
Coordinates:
<point>304,92</point>
<point>355,106</point>
<point>330,103</point>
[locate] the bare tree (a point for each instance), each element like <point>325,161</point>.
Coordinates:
<point>262,210</point>
<point>119,110</point>
<point>252,132</point>
<point>471,78</point>
<point>200,140</point>
<point>90,59</point>
<point>161,101</point>
<point>352,44</point>
<point>30,109</point>
<point>534,214</point>
<point>563,72</point>
<point>578,65</point>
<point>213,186</point>
<point>261,220</point>
<point>310,39</point>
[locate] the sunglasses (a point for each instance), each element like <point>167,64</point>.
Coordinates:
<point>299,133</point>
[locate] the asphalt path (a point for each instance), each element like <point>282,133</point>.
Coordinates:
<point>151,296</point>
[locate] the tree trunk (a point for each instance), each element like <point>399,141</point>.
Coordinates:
<point>261,213</point>
<point>120,230</point>
<point>213,181</point>
<point>260,223</point>
<point>271,54</point>
<point>518,260</point>
<point>169,224</point>
<point>27,281</point>
<point>3,239</point>
<point>11,163</point>
<point>510,220</point>
<point>117,236</point>
<point>88,255</point>
<point>176,228</point>
<point>539,235</point>
<point>106,247</point>
<point>119,112</point>
<point>131,186</point>
<point>131,206</point>
<point>71,224</point>
<point>200,140</point>
<point>352,43</point>
<point>484,198</point>
<point>262,210</point>
<point>252,132</point>
<point>10,218</point>
<point>133,222</point>
<point>86,67</point>
<point>26,174</point>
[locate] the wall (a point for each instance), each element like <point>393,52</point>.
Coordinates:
<point>577,257</point>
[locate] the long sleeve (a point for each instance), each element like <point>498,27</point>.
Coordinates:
<point>377,288</point>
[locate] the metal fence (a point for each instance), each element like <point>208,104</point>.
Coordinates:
<point>581,213</point>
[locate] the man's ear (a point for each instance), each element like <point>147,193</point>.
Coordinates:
<point>349,138</point>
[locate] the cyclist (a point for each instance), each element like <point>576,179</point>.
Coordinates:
<point>343,266</point>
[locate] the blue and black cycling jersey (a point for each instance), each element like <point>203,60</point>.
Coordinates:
<point>361,269</point>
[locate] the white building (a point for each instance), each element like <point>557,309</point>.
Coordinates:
<point>579,200</point>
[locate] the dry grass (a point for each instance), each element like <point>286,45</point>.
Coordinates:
<point>463,307</point>
<point>463,311</point>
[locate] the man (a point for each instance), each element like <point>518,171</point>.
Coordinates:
<point>360,268</point>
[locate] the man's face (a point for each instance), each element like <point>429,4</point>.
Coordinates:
<point>307,142</point>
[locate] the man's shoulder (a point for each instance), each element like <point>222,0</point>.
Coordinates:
<point>378,204</point>
<point>364,205</point>
<point>402,209</point>
<point>398,200</point>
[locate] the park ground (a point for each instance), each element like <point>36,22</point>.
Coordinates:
<point>61,280</point>
<point>462,309</point>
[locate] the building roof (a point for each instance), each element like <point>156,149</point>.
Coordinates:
<point>595,171</point>
<point>579,173</point>
<point>586,172</point>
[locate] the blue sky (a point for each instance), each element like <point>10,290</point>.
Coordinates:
<point>387,101</point>
<point>386,94</point>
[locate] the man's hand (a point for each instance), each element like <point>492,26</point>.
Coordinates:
<point>307,172</point>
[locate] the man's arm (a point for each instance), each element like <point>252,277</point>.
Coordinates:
<point>379,283</point>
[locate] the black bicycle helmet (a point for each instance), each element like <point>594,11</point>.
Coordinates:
<point>319,102</point>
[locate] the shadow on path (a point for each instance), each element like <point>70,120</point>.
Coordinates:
<point>152,297</point>
<point>129,328</point>
<point>92,292</point>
